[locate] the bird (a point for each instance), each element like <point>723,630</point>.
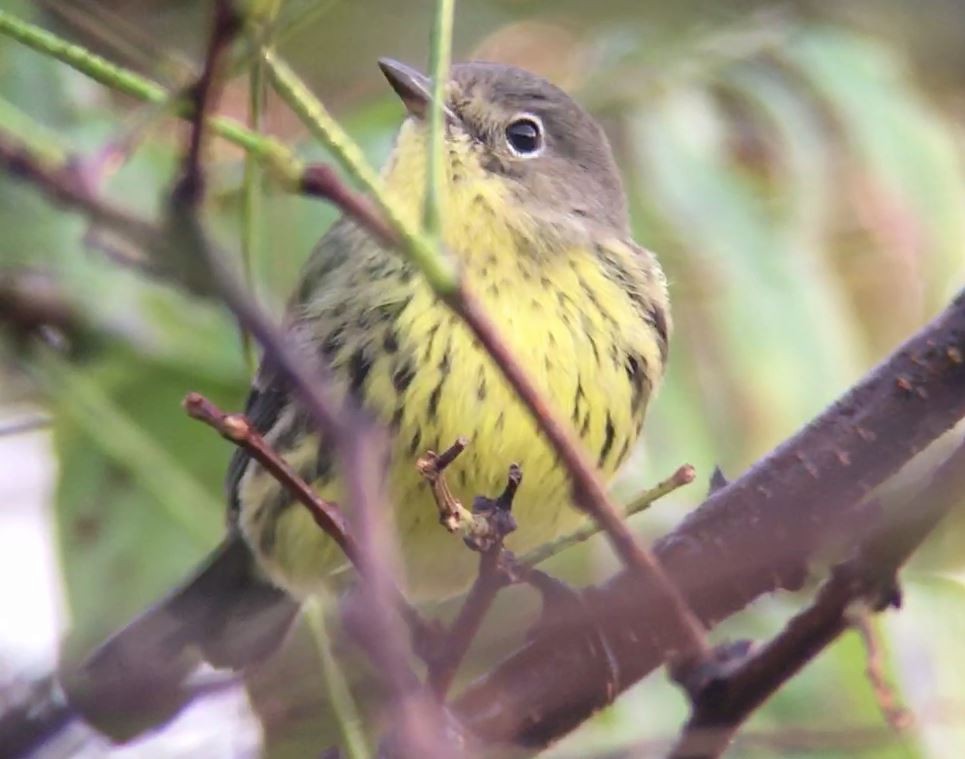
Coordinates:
<point>536,219</point>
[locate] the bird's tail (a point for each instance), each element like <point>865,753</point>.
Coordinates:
<point>224,614</point>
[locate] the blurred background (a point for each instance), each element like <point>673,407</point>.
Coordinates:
<point>798,166</point>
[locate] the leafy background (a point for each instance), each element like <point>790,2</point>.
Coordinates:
<point>798,167</point>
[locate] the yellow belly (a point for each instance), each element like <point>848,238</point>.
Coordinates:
<point>577,358</point>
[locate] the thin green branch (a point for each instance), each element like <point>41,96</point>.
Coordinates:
<point>251,201</point>
<point>265,14</point>
<point>336,685</point>
<point>439,270</point>
<point>441,46</point>
<point>643,501</point>
<point>40,140</point>
<point>282,162</point>
<point>75,56</point>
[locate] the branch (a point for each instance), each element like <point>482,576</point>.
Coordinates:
<point>440,54</point>
<point>683,476</point>
<point>726,701</point>
<point>486,528</point>
<point>237,429</point>
<point>321,181</point>
<point>224,27</point>
<point>361,445</point>
<point>751,537</point>
<point>895,714</point>
<point>62,184</point>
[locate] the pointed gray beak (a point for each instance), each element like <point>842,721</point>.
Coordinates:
<point>413,87</point>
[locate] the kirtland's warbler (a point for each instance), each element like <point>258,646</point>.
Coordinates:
<point>536,216</point>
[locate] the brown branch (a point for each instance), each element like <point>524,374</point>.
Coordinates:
<point>431,465</point>
<point>62,185</point>
<point>444,663</point>
<point>896,715</point>
<point>492,521</point>
<point>751,537</point>
<point>330,519</point>
<point>224,27</point>
<point>359,443</point>
<point>322,181</point>
<point>420,727</point>
<point>727,700</point>
<point>237,429</point>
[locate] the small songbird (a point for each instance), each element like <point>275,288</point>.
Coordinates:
<point>536,217</point>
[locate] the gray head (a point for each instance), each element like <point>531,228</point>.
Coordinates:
<point>528,130</point>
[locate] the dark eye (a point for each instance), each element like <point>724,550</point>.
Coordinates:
<point>524,136</point>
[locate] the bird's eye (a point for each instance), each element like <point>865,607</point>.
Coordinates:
<point>525,136</point>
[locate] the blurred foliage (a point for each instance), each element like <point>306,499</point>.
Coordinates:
<point>798,168</point>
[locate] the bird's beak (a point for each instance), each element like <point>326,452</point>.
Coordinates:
<point>413,87</point>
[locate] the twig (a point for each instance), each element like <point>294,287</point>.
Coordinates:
<point>445,662</point>
<point>336,685</point>
<point>360,444</point>
<point>496,571</point>
<point>261,27</point>
<point>321,181</point>
<point>499,568</point>
<point>431,465</point>
<point>896,715</point>
<point>224,27</point>
<point>38,139</point>
<point>439,271</point>
<point>683,476</point>
<point>237,429</point>
<point>482,528</point>
<point>683,642</point>
<point>62,185</point>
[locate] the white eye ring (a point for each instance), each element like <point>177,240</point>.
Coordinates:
<point>525,136</point>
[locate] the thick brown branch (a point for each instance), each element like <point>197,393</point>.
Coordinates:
<point>750,537</point>
<point>728,700</point>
